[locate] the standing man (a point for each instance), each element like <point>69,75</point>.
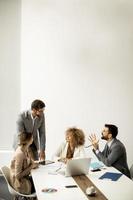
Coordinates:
<point>33,121</point>
<point>114,152</point>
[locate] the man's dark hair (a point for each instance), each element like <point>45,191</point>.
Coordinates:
<point>37,104</point>
<point>112,129</point>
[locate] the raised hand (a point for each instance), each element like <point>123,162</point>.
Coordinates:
<point>94,141</point>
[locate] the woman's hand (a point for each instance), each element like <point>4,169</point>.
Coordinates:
<point>34,165</point>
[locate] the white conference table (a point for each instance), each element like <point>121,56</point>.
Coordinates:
<point>122,189</point>
<point>43,177</point>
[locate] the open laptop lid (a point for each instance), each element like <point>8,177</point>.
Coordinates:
<point>77,166</point>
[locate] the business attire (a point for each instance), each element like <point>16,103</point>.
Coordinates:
<point>36,126</point>
<point>114,155</point>
<point>64,152</point>
<point>19,172</point>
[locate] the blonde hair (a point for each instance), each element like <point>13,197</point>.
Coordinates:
<point>78,136</point>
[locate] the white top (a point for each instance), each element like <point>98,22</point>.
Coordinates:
<point>61,152</point>
<point>110,142</point>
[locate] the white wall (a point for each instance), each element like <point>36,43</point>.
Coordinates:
<point>77,57</point>
<point>9,69</point>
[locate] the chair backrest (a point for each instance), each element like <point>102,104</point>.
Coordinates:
<point>131,172</point>
<point>6,173</point>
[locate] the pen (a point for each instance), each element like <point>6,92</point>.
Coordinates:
<point>71,186</point>
<point>88,146</point>
<point>58,168</point>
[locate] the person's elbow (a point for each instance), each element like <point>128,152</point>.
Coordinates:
<point>108,163</point>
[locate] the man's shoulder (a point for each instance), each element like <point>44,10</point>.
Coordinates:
<point>117,143</point>
<point>25,114</point>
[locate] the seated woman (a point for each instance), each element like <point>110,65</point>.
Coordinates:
<point>21,165</point>
<point>73,147</point>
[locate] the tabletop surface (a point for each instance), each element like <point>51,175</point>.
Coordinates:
<point>48,176</point>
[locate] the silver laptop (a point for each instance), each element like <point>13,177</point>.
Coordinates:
<point>77,166</point>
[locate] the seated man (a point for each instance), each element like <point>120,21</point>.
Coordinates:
<point>114,153</point>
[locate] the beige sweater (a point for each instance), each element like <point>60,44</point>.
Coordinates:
<point>19,172</point>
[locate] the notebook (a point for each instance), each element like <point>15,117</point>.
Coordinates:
<point>111,175</point>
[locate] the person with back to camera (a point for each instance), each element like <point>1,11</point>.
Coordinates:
<point>73,147</point>
<point>33,121</point>
<point>21,165</point>
<point>114,152</point>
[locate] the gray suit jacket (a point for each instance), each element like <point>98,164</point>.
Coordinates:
<point>25,123</point>
<point>116,157</point>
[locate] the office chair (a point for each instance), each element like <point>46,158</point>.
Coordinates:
<point>131,171</point>
<point>16,195</point>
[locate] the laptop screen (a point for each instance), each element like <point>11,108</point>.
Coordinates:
<point>77,166</point>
